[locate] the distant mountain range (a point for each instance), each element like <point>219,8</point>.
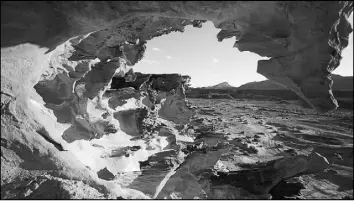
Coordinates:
<point>268,90</point>
<point>223,85</point>
<point>340,83</point>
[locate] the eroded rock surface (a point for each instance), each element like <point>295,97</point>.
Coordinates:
<point>303,39</point>
<point>107,130</point>
<point>60,124</point>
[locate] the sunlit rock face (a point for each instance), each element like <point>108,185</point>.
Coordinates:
<point>73,109</point>
<point>108,119</point>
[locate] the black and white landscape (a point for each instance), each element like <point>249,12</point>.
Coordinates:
<point>79,122</point>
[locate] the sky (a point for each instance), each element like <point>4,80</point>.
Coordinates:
<point>197,53</point>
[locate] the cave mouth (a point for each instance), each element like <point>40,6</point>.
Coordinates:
<point>272,42</point>
<point>85,75</point>
<point>96,84</point>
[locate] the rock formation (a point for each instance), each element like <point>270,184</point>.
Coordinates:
<point>61,126</point>
<point>303,39</point>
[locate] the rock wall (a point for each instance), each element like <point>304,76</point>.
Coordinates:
<point>58,60</point>
<point>97,117</point>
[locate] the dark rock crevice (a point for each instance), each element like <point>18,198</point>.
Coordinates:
<point>45,135</point>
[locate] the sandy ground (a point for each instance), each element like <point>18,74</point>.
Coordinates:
<point>274,128</point>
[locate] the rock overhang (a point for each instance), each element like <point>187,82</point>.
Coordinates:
<point>304,40</point>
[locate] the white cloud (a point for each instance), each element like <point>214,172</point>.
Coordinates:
<point>168,57</point>
<point>156,49</point>
<point>149,61</point>
<point>215,60</point>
